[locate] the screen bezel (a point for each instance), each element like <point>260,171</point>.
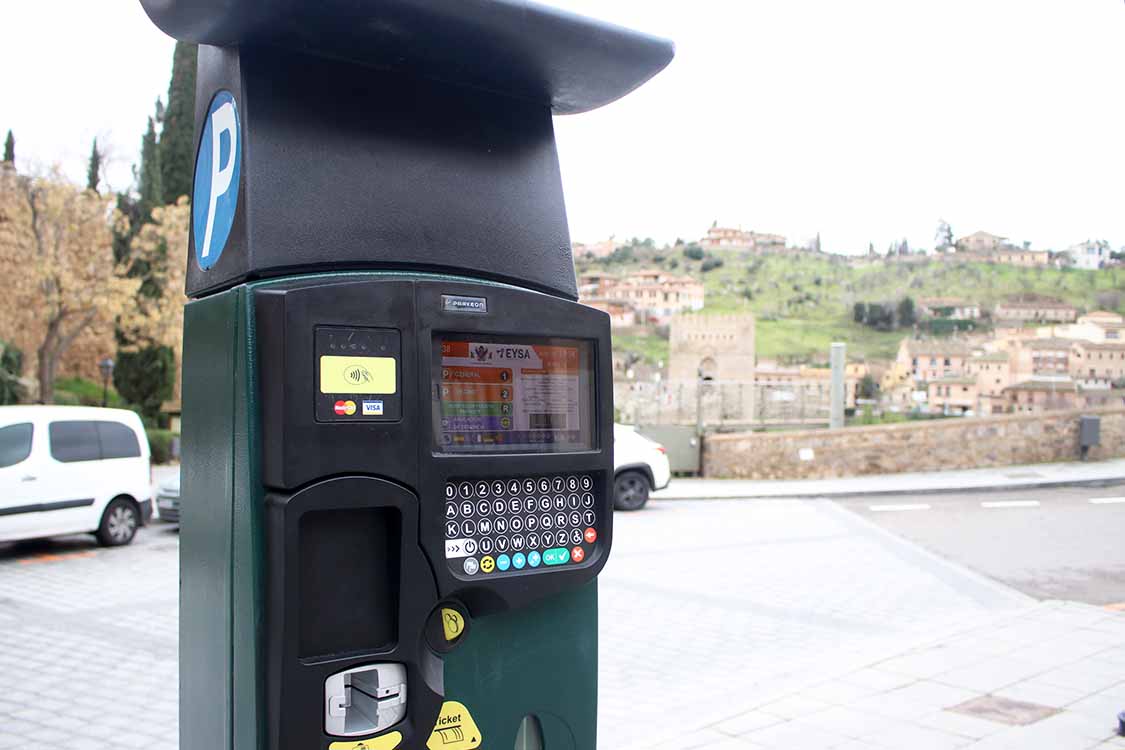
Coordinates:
<point>588,392</point>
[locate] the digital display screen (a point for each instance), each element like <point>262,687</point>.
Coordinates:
<point>499,394</point>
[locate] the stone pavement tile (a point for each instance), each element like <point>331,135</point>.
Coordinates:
<point>1089,675</point>
<point>795,707</point>
<point>1100,707</point>
<point>1036,690</point>
<point>914,737</point>
<point>857,745</point>
<point>961,724</point>
<point>928,663</point>
<point>837,692</point>
<point>910,702</point>
<point>10,741</point>
<point>1114,743</point>
<point>1063,731</point>
<point>730,743</point>
<point>847,722</point>
<point>794,735</point>
<point>688,741</point>
<point>748,722</point>
<point>877,679</point>
<point>990,675</point>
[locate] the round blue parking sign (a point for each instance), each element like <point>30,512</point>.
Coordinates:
<point>217,166</point>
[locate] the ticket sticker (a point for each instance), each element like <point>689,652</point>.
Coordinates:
<point>454,729</point>
<point>382,742</point>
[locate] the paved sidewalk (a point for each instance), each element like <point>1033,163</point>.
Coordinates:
<point>1007,477</point>
<point>1049,677</point>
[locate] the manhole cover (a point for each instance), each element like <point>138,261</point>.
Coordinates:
<point>1004,711</point>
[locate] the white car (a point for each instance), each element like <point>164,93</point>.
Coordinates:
<point>72,470</point>
<point>640,466</point>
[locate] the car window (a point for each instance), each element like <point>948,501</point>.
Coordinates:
<point>15,443</point>
<point>117,440</point>
<point>74,441</point>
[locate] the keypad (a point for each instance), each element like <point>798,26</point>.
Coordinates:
<point>519,525</point>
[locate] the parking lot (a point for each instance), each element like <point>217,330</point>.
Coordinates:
<point>737,600</point>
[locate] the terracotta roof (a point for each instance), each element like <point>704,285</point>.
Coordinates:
<point>938,346</point>
<point>1052,386</point>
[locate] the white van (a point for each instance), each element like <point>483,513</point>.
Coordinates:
<point>71,470</point>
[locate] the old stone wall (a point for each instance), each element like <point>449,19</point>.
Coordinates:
<point>921,446</point>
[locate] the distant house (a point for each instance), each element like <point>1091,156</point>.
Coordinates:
<point>601,249</point>
<point>980,243</point>
<point>1031,308</point>
<point>992,370</point>
<point>1089,255</point>
<point>1023,257</point>
<point>1092,363</point>
<point>952,395</point>
<point>654,295</point>
<point>1042,393</point>
<point>729,238</point>
<point>621,314</point>
<point>930,359</point>
<point>949,307</point>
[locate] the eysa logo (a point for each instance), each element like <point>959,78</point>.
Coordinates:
<point>217,166</point>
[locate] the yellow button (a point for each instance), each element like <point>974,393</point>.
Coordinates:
<point>383,742</point>
<point>487,564</point>
<point>452,623</point>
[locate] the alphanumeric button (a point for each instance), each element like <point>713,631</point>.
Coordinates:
<point>531,523</point>
<point>450,510</point>
<point>576,536</point>
<point>587,500</point>
<point>546,521</point>
<point>528,486</point>
<point>514,505</point>
<point>452,530</point>
<point>516,524</point>
<point>484,526</point>
<point>499,506</point>
<point>528,504</point>
<point>533,540</point>
<point>467,509</point>
<point>572,483</point>
<point>501,525</point>
<point>589,517</point>
<point>468,528</point>
<point>486,546</point>
<point>482,489</point>
<point>544,503</point>
<point>575,518</point>
<point>450,491</point>
<point>560,520</point>
<point>502,543</point>
<point>544,485</point>
<point>573,502</point>
<point>560,502</point>
<point>558,483</point>
<point>471,546</point>
<point>513,487</point>
<point>517,542</point>
<point>587,483</point>
<point>497,488</point>
<point>548,539</point>
<point>482,508</point>
<point>465,490</point>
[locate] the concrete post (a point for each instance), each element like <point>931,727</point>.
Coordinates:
<point>836,411</point>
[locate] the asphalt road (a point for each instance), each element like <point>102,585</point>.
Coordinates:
<point>1055,543</point>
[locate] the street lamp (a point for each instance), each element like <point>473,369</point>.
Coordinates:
<point>106,366</point>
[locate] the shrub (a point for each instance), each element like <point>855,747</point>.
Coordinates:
<point>693,251</point>
<point>711,264</point>
<point>160,443</point>
<point>82,392</point>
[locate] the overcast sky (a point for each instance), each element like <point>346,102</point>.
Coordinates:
<point>865,120</point>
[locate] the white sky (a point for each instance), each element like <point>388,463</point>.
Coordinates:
<point>863,120</point>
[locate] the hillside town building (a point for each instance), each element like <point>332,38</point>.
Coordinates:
<point>654,295</point>
<point>601,249</point>
<point>1035,309</point>
<point>948,307</point>
<point>930,359</point>
<point>728,238</point>
<point>1089,255</point>
<point>980,243</point>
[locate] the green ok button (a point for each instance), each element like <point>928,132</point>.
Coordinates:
<point>556,556</point>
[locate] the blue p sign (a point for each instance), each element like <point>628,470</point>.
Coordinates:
<point>215,196</point>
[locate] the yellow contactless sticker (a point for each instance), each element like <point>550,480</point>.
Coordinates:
<point>454,729</point>
<point>357,375</point>
<point>383,742</point>
<point>452,623</point>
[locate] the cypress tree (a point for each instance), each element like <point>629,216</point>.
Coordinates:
<point>93,172</point>
<point>177,137</point>
<point>10,148</point>
<point>149,183</point>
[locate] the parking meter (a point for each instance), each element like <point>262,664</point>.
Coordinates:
<point>397,425</point>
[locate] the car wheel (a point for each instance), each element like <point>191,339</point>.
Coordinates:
<point>630,490</point>
<point>119,523</point>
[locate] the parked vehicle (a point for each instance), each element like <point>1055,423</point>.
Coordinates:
<point>168,499</point>
<point>640,466</point>
<point>71,470</point>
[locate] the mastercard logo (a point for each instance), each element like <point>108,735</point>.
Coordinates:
<point>344,408</point>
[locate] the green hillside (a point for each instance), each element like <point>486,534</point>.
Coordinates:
<point>804,302</point>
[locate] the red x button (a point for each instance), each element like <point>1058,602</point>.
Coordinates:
<point>591,536</point>
<point>578,554</point>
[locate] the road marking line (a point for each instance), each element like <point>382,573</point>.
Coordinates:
<point>904,506</point>
<point>1107,500</point>
<point>1011,504</point>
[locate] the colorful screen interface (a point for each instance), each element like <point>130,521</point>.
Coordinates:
<point>500,395</point>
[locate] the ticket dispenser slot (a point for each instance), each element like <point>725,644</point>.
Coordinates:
<point>364,700</point>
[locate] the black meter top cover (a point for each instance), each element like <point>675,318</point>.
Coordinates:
<point>401,134</point>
